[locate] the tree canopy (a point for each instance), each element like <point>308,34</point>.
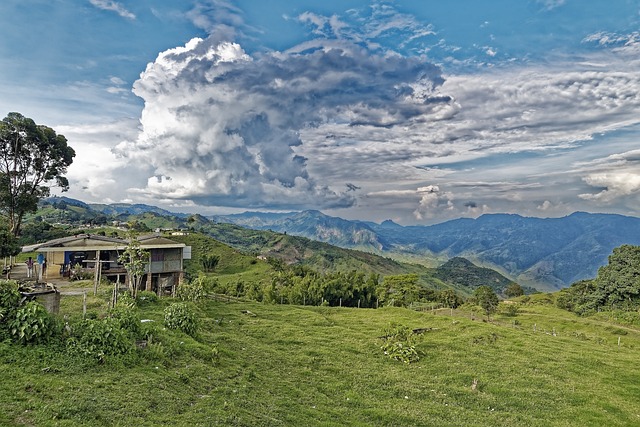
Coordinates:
<point>617,285</point>
<point>33,158</point>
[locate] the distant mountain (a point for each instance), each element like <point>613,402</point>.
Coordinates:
<point>546,253</point>
<point>311,224</point>
<point>131,209</point>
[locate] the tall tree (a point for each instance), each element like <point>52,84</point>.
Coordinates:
<point>33,158</point>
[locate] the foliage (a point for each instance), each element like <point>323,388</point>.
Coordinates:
<point>399,344</point>
<point>450,298</point>
<point>32,158</point>
<point>8,243</point>
<point>193,290</point>
<point>9,301</point>
<point>146,297</point>
<point>127,317</point>
<point>181,317</point>
<point>32,324</point>
<point>514,290</point>
<point>209,262</point>
<point>511,310</point>
<point>486,298</point>
<point>135,260</point>
<point>99,338</point>
<point>616,287</point>
<point>399,290</point>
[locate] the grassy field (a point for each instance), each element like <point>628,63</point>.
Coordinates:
<point>279,365</point>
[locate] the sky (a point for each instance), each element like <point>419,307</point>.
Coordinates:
<point>414,111</point>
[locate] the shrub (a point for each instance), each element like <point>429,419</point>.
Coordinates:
<point>146,297</point>
<point>192,291</point>
<point>127,317</point>
<point>511,310</point>
<point>399,344</point>
<point>9,302</point>
<point>99,338</point>
<point>32,324</point>
<point>181,317</point>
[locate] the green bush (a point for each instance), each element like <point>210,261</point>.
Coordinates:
<point>192,291</point>
<point>181,317</point>
<point>32,324</point>
<point>99,338</point>
<point>146,297</point>
<point>127,317</point>
<point>399,344</point>
<point>9,302</point>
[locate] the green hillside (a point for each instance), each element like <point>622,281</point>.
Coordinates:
<point>256,364</point>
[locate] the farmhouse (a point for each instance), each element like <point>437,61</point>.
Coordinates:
<point>88,253</point>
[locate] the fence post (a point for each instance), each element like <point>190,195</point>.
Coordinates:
<point>84,305</point>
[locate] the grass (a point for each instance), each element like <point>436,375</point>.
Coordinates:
<point>295,365</point>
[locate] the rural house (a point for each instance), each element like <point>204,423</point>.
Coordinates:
<point>88,253</point>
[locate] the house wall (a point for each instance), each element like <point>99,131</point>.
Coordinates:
<point>166,260</point>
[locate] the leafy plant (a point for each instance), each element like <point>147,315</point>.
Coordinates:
<point>9,300</point>
<point>32,324</point>
<point>127,317</point>
<point>100,338</point>
<point>146,297</point>
<point>209,262</point>
<point>181,317</point>
<point>135,260</point>
<point>399,344</point>
<point>192,291</point>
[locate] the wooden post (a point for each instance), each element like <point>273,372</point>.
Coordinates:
<point>358,303</point>
<point>84,304</point>
<point>618,341</point>
<point>96,273</point>
<point>340,302</point>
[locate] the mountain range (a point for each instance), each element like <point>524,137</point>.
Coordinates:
<point>546,253</point>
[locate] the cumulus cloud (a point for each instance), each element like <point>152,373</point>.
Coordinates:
<point>613,184</point>
<point>220,127</point>
<point>113,6</point>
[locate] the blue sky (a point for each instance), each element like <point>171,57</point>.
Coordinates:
<point>413,111</point>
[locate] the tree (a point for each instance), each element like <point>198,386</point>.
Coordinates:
<point>514,290</point>
<point>487,299</point>
<point>135,260</point>
<point>33,158</point>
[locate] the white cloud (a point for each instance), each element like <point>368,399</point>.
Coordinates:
<point>113,6</point>
<point>220,127</point>
<point>614,185</point>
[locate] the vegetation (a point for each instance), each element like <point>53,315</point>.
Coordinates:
<point>32,158</point>
<point>255,364</point>
<point>616,287</point>
<point>486,298</point>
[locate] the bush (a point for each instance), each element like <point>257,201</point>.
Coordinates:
<point>510,310</point>
<point>192,291</point>
<point>9,302</point>
<point>181,317</point>
<point>146,297</point>
<point>399,344</point>
<point>99,338</point>
<point>127,317</point>
<point>32,324</point>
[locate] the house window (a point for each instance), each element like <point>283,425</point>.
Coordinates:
<point>157,255</point>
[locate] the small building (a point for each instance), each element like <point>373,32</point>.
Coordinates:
<point>88,253</point>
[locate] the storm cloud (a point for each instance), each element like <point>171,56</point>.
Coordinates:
<point>219,127</point>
